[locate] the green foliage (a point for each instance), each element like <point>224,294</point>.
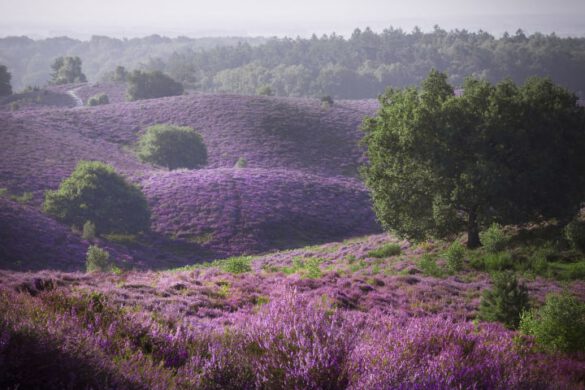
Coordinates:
<point>386,250</point>
<point>88,231</point>
<point>23,198</point>
<point>326,101</point>
<point>95,192</point>
<point>264,90</point>
<point>5,76</point>
<point>455,255</point>
<point>173,147</point>
<point>498,261</point>
<point>150,85</point>
<point>97,260</point>
<point>440,164</point>
<point>505,301</point>
<point>559,325</point>
<point>98,100</point>
<point>429,267</point>
<point>67,70</point>
<point>575,234</point>
<point>3,191</point>
<point>241,163</point>
<point>494,239</point>
<point>236,265</point>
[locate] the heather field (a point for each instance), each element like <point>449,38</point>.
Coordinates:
<point>264,269</point>
<point>299,185</point>
<point>339,315</point>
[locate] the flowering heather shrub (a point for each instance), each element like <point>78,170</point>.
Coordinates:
<point>173,147</point>
<point>95,192</point>
<point>559,325</point>
<point>505,302</point>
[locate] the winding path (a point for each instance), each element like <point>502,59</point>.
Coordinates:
<point>76,99</point>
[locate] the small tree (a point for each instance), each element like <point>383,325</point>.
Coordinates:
<point>67,70</point>
<point>439,164</point>
<point>505,302</point>
<point>95,192</point>
<point>150,85</point>
<point>97,259</point>
<point>5,76</point>
<point>173,147</point>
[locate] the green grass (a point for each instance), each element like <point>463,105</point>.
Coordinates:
<point>233,265</point>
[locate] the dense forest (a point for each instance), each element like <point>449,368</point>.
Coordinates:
<point>360,66</point>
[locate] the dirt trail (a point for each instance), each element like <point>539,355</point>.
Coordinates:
<point>76,99</point>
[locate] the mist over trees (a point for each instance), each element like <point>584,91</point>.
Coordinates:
<point>360,66</point>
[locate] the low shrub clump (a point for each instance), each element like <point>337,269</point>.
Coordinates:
<point>98,100</point>
<point>455,255</point>
<point>559,325</point>
<point>95,192</point>
<point>88,231</point>
<point>575,234</point>
<point>385,250</point>
<point>172,147</point>
<point>505,302</point>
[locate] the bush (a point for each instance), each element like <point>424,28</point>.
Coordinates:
<point>173,147</point>
<point>428,265</point>
<point>455,255</point>
<point>95,192</point>
<point>97,260</point>
<point>241,163</point>
<point>575,233</point>
<point>326,101</point>
<point>67,70</point>
<point>385,250</point>
<point>98,100</point>
<point>264,90</point>
<point>498,261</point>
<point>505,302</point>
<point>88,231</point>
<point>236,265</point>
<point>494,239</point>
<point>559,325</point>
<point>150,85</point>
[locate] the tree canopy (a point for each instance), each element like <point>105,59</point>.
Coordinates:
<point>439,163</point>
<point>95,192</point>
<point>5,76</point>
<point>173,147</point>
<point>67,70</point>
<point>150,85</point>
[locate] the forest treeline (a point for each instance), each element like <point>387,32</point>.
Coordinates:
<point>360,66</point>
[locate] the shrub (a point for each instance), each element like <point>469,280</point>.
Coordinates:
<point>97,260</point>
<point>386,250</point>
<point>505,301</point>
<point>455,254</point>
<point>88,231</point>
<point>428,266</point>
<point>23,198</point>
<point>498,261</point>
<point>264,90</point>
<point>494,239</point>
<point>95,192</point>
<point>326,101</point>
<point>559,325</point>
<point>575,233</point>
<point>150,85</point>
<point>241,163</point>
<point>236,265</point>
<point>173,147</point>
<point>67,70</point>
<point>98,100</point>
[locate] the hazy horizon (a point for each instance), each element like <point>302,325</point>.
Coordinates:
<point>132,18</point>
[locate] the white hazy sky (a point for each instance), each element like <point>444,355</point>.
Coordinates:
<point>83,18</point>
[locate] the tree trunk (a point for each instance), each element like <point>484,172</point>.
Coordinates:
<point>473,231</point>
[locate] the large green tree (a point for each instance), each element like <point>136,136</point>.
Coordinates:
<point>67,70</point>
<point>5,76</point>
<point>95,192</point>
<point>440,163</point>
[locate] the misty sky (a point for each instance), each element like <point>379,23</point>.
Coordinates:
<point>83,18</point>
